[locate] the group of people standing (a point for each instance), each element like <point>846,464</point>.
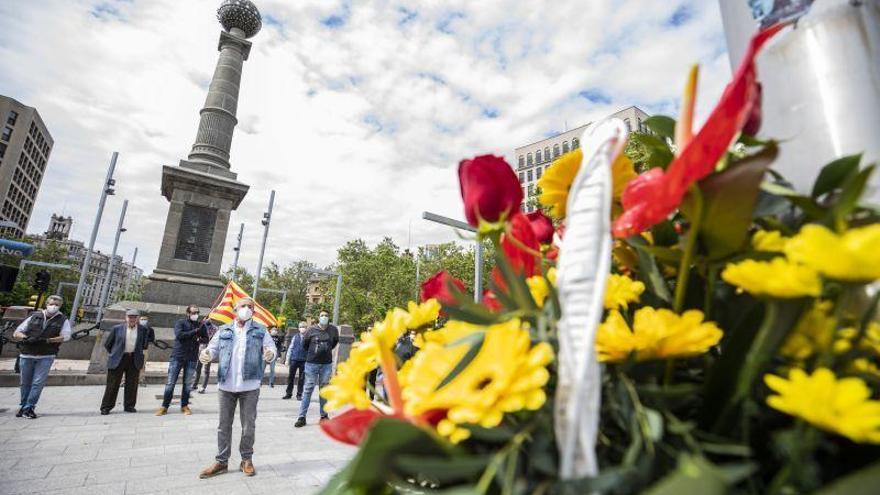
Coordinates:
<point>242,350</point>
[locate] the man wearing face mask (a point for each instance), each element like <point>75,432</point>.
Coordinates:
<point>296,361</point>
<point>125,344</point>
<point>42,333</point>
<point>319,342</point>
<point>240,347</point>
<point>187,332</point>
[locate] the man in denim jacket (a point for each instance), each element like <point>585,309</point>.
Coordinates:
<point>240,347</point>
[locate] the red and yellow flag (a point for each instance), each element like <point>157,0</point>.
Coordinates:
<point>225,310</point>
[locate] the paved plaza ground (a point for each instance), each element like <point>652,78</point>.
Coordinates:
<point>71,449</point>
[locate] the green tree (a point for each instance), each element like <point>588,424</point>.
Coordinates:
<point>294,279</point>
<point>51,252</point>
<point>243,278</point>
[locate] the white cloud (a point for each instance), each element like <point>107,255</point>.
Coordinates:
<point>358,127</point>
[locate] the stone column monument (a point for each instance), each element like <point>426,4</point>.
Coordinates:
<point>202,189</point>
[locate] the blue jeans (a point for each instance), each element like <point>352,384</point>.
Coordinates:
<point>189,372</point>
<point>271,371</point>
<point>315,374</point>
<point>34,372</point>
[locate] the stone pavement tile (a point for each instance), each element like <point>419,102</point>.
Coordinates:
<point>107,453</point>
<point>186,447</point>
<point>20,445</point>
<point>28,469</point>
<point>42,485</point>
<point>6,462</point>
<point>74,455</point>
<point>304,483</point>
<point>106,489</point>
<point>89,467</point>
<point>178,458</point>
<point>126,474</point>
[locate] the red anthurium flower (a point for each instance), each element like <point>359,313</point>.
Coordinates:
<point>651,197</point>
<point>521,249</point>
<point>489,188</point>
<point>352,426</point>
<point>753,124</point>
<point>490,302</point>
<point>439,287</point>
<point>542,226</point>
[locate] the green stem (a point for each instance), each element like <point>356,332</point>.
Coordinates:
<point>498,459</point>
<point>691,243</point>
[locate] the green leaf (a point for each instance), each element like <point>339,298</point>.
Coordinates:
<point>517,288</point>
<point>729,199</point>
<point>471,312</point>
<point>693,476</point>
<point>835,173</point>
<point>499,434</point>
<point>388,439</point>
<point>862,482</point>
<point>475,341</point>
<point>662,125</point>
<point>443,470</point>
<point>649,273</point>
<point>852,192</point>
<point>649,150</point>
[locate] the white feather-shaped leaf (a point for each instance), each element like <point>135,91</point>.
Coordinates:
<point>584,264</point>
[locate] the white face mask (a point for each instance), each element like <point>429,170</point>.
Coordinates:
<point>274,332</point>
<point>245,313</point>
<point>194,317</point>
<point>324,320</point>
<point>144,321</point>
<point>302,329</point>
<point>51,309</point>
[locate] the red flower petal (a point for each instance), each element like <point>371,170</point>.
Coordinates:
<point>351,426</point>
<point>439,287</point>
<point>542,226</point>
<point>489,189</point>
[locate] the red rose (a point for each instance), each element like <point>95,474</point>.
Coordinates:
<point>489,188</point>
<point>521,249</point>
<point>542,226</point>
<point>439,287</point>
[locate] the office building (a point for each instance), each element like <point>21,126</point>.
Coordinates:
<point>25,145</point>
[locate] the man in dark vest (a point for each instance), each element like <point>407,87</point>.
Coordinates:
<point>125,344</point>
<point>42,333</point>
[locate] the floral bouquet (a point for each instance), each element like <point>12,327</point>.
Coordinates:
<point>681,323</point>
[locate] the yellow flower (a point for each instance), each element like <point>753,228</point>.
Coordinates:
<point>841,406</point>
<point>420,315</point>
<point>656,334</point>
<point>507,374</point>
<point>769,241</point>
<point>622,290</point>
<point>775,278</point>
<point>865,366</point>
<point>813,334</point>
<point>850,256</point>
<point>347,386</point>
<point>539,288</point>
<point>557,179</point>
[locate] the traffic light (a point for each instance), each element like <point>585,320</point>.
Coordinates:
<point>32,302</point>
<point>42,280</point>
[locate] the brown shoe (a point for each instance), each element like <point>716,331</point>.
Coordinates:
<point>186,410</point>
<point>162,411</point>
<point>213,470</point>
<point>247,467</point>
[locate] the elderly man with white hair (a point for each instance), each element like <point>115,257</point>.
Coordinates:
<point>42,333</point>
<point>240,347</point>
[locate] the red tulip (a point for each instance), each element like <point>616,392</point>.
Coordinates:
<point>651,197</point>
<point>440,287</point>
<point>489,188</point>
<point>490,302</point>
<point>542,226</point>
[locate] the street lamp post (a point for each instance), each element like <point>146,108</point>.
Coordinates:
<point>109,182</point>
<point>478,255</point>
<point>267,219</point>
<point>237,250</point>
<point>134,258</point>
<point>338,295</point>
<point>105,291</point>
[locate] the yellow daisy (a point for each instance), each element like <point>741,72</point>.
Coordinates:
<point>776,278</point>
<point>656,334</point>
<point>849,256</point>
<point>769,241</point>
<point>538,286</point>
<point>422,315</point>
<point>842,406</point>
<point>557,179</point>
<point>621,290</point>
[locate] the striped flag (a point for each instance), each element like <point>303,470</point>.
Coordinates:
<point>225,310</point>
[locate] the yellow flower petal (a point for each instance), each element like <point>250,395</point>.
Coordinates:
<point>850,256</point>
<point>621,290</point>
<point>656,334</point>
<point>776,278</point>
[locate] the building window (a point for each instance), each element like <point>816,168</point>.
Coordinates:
<point>575,144</point>
<point>547,153</point>
<point>521,161</point>
<point>529,175</point>
<point>555,150</point>
<point>538,156</point>
<point>12,118</point>
<point>7,134</point>
<point>529,159</point>
<point>565,146</point>
<point>2,150</point>
<point>538,172</point>
<point>531,190</point>
<point>522,177</point>
<point>641,127</point>
<point>628,125</point>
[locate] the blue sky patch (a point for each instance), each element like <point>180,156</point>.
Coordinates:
<point>595,95</point>
<point>680,17</point>
<point>444,24</point>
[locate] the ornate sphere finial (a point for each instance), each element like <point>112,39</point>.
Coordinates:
<point>241,14</point>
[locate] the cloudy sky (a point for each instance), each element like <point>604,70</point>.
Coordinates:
<point>356,113</point>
